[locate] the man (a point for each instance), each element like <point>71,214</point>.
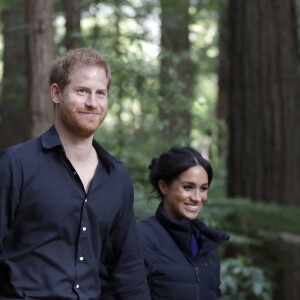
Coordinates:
<point>66,205</point>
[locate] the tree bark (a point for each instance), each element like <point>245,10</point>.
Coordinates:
<point>13,106</point>
<point>40,55</point>
<point>262,91</point>
<point>223,83</point>
<point>73,31</point>
<point>176,73</point>
<point>259,82</point>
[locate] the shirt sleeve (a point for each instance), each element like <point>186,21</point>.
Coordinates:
<point>107,291</point>
<point>10,187</point>
<point>123,258</point>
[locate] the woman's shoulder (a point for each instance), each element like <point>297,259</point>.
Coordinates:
<point>148,224</point>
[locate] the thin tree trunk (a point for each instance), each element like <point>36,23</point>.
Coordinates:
<point>176,73</point>
<point>40,55</point>
<point>223,83</point>
<point>73,30</point>
<point>13,106</point>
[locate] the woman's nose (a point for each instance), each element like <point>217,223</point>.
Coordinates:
<point>196,195</point>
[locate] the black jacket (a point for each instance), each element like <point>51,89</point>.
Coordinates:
<point>173,273</point>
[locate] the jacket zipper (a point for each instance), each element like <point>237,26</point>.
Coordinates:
<point>196,269</point>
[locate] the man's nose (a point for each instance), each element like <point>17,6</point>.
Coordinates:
<point>91,100</point>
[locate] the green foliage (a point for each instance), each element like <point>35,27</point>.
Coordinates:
<point>121,31</point>
<point>242,280</point>
<point>254,218</point>
<point>127,33</point>
<point>261,235</point>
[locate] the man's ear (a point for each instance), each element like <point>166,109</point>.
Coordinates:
<point>55,93</point>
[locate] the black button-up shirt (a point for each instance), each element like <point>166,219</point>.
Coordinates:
<point>54,235</point>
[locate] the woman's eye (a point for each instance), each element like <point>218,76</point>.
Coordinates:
<point>204,188</point>
<point>188,187</point>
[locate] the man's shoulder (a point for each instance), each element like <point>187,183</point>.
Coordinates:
<point>21,149</point>
<point>19,156</point>
<point>28,151</point>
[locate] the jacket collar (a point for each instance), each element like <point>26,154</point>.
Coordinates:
<point>181,231</point>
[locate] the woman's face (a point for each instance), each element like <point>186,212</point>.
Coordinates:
<point>185,197</point>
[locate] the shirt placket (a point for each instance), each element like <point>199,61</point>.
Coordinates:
<point>81,259</point>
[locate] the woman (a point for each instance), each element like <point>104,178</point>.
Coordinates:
<point>179,250</point>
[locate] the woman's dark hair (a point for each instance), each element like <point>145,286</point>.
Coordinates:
<point>169,165</point>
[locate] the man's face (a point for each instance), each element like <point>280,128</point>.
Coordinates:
<point>83,104</point>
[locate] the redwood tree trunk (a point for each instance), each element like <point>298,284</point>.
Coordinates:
<point>259,83</point>
<point>262,91</point>
<point>40,55</point>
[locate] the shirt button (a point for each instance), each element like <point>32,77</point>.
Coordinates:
<point>77,286</point>
<point>85,200</point>
<point>84,228</point>
<point>81,258</point>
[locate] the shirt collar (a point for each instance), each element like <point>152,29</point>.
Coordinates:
<point>50,140</point>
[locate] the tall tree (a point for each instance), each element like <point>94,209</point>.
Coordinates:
<point>259,84</point>
<point>262,90</point>
<point>176,72</point>
<point>40,54</point>
<point>13,105</point>
<point>73,37</point>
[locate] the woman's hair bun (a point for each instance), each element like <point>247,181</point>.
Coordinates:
<point>153,163</point>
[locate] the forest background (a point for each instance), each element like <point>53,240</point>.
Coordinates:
<point>219,75</point>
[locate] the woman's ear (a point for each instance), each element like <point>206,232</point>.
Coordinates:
<point>162,186</point>
<point>55,93</point>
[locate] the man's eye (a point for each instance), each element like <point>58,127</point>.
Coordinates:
<point>82,92</point>
<point>101,93</point>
